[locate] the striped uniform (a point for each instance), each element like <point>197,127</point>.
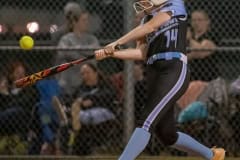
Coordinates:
<point>167,74</point>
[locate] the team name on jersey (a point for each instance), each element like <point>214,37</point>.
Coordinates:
<point>172,23</point>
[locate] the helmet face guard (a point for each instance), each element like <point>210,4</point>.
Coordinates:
<point>141,6</point>
<point>144,5</point>
<point>158,2</point>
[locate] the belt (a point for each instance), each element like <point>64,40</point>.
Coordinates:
<point>167,56</point>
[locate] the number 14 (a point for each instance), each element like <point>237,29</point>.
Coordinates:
<point>171,37</point>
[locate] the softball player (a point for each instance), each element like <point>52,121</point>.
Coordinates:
<point>161,42</point>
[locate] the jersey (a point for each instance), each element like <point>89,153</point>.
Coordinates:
<point>171,36</point>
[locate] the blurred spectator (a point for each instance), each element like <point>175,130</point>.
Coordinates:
<point>10,116</point>
<point>10,112</point>
<point>199,35</point>
<point>213,93</point>
<point>26,97</point>
<point>191,108</point>
<point>203,111</point>
<point>16,104</point>
<point>112,17</point>
<point>39,114</point>
<point>202,63</point>
<point>77,36</point>
<point>192,93</point>
<point>92,110</point>
<point>117,80</point>
<point>139,87</point>
<point>64,29</point>
<point>4,91</point>
<point>49,120</point>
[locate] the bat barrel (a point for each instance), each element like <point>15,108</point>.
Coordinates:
<point>22,83</point>
<point>33,78</point>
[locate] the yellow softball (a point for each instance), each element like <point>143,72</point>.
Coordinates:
<point>26,42</point>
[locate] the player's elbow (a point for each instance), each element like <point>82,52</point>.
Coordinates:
<point>142,55</point>
<point>141,52</point>
<point>138,54</point>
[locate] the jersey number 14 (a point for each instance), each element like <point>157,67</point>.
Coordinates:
<point>171,36</point>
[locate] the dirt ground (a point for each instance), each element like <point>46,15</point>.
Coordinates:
<point>99,158</point>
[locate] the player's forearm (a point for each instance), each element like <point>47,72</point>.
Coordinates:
<point>129,54</point>
<point>135,34</point>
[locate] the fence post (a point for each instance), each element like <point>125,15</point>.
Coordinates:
<point>128,77</point>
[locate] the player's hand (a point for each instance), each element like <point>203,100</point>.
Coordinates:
<point>107,51</point>
<point>110,48</point>
<point>100,54</point>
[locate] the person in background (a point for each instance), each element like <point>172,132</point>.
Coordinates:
<point>202,64</point>
<point>10,112</point>
<point>25,99</point>
<point>199,35</point>
<point>92,110</point>
<point>13,122</point>
<point>64,29</point>
<point>78,36</point>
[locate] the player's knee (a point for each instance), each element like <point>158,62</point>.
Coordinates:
<point>167,138</point>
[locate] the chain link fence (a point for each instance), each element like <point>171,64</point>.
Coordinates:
<point>88,120</point>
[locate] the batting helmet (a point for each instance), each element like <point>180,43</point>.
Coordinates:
<point>141,6</point>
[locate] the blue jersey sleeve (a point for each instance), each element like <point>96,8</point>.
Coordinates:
<point>177,8</point>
